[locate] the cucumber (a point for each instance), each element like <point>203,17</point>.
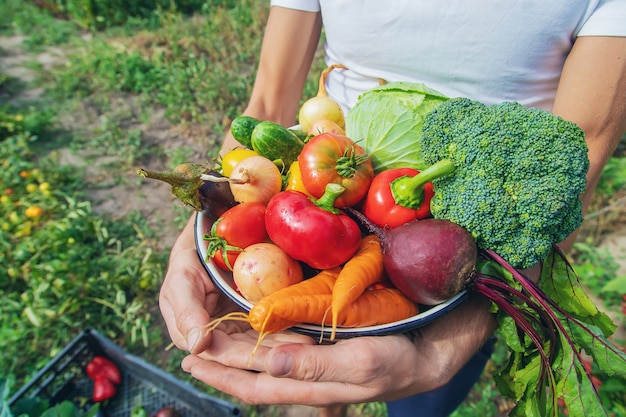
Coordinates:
<point>242,128</point>
<point>276,142</point>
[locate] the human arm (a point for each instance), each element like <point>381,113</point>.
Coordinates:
<point>592,94</point>
<point>289,44</point>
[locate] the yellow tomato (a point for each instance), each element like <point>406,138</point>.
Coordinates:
<point>294,179</point>
<point>33,212</point>
<point>44,187</point>
<point>233,157</point>
<point>31,188</point>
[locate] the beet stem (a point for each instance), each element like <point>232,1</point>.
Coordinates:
<point>501,302</point>
<point>544,301</point>
<point>543,319</point>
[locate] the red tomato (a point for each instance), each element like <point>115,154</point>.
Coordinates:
<point>381,208</point>
<point>101,367</point>
<point>236,229</point>
<point>103,389</point>
<point>331,158</point>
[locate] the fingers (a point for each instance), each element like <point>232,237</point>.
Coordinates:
<point>355,370</point>
<point>183,295</point>
<point>345,361</point>
<point>261,388</point>
<point>244,350</point>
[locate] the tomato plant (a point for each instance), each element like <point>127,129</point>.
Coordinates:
<point>330,158</point>
<point>33,212</point>
<point>237,228</point>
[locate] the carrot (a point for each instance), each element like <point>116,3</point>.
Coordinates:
<point>310,300</point>
<point>373,307</point>
<point>362,270</point>
<point>293,304</point>
<point>380,306</point>
<point>297,300</point>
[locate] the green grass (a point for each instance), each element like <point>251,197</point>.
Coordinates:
<point>73,267</point>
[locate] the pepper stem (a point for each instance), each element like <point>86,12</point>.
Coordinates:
<point>409,191</point>
<point>327,200</point>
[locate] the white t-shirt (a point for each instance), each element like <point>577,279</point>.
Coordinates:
<point>487,50</point>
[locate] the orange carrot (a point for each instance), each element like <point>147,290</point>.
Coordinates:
<point>262,317</point>
<point>380,306</point>
<point>362,270</point>
<point>310,300</point>
<point>293,304</point>
<point>373,307</point>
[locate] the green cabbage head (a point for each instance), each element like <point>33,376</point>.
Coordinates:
<point>387,121</point>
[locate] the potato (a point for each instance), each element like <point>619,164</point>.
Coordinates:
<point>263,268</point>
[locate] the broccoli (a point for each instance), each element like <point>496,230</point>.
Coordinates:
<point>511,175</point>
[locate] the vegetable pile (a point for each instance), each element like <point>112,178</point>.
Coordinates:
<point>420,198</point>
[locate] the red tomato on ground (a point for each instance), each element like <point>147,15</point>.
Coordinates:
<point>237,228</point>
<point>331,158</point>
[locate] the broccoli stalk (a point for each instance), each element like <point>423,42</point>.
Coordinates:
<point>511,175</point>
<point>409,191</point>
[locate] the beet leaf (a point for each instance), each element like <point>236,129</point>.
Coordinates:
<point>548,327</point>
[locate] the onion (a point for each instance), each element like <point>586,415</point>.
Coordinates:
<point>255,179</point>
<point>321,106</point>
<point>325,126</point>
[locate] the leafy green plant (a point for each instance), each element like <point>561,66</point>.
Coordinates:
<point>597,269</point>
<point>65,266</point>
<point>40,26</point>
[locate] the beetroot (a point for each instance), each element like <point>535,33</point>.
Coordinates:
<point>429,261</point>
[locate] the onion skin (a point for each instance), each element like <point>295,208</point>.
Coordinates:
<point>255,179</point>
<point>322,107</point>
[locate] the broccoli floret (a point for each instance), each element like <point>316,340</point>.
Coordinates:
<point>519,173</point>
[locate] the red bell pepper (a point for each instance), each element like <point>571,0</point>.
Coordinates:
<point>310,230</point>
<point>101,367</point>
<point>395,198</point>
<point>103,389</point>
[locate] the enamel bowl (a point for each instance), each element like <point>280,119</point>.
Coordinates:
<point>224,281</point>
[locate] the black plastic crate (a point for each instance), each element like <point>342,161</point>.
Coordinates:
<point>143,385</point>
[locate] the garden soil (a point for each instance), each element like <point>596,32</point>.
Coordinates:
<point>118,193</point>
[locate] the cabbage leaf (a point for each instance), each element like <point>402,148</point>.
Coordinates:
<point>386,121</point>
